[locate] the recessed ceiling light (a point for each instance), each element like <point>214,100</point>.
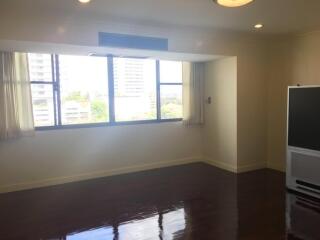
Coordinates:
<point>258,26</point>
<point>233,3</point>
<point>84,1</point>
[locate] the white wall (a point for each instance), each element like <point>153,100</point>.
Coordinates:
<point>220,130</point>
<point>67,155</point>
<point>22,163</point>
<point>280,74</point>
<point>293,61</point>
<point>252,108</point>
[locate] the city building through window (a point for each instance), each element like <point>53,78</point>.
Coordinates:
<point>86,90</point>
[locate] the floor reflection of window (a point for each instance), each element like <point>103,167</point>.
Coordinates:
<point>140,230</point>
<point>105,233</point>
<point>173,224</point>
<point>163,226</point>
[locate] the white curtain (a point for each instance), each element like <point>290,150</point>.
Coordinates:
<point>16,115</point>
<point>193,93</point>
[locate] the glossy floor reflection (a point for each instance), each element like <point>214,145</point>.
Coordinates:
<point>303,217</point>
<point>192,202</point>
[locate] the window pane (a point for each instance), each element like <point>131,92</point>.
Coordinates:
<point>171,101</point>
<point>135,89</point>
<point>40,67</point>
<point>103,233</point>
<point>170,72</point>
<point>174,223</point>
<point>142,229</point>
<point>84,89</point>
<point>42,99</point>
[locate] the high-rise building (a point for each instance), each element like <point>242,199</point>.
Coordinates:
<point>42,94</point>
<point>135,88</point>
<point>129,77</point>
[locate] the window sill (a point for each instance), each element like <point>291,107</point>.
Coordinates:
<point>95,125</point>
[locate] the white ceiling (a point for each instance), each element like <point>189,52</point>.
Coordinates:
<point>39,47</point>
<point>278,16</point>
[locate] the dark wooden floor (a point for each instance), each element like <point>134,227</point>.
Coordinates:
<point>193,201</point>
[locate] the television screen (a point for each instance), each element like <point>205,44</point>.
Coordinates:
<point>304,118</point>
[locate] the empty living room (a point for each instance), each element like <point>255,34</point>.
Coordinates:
<point>159,120</point>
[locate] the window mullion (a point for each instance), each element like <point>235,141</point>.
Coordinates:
<point>56,69</point>
<point>54,89</point>
<point>111,89</point>
<point>171,84</point>
<point>158,90</point>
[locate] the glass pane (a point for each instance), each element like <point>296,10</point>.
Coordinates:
<point>43,109</point>
<point>103,233</point>
<point>84,89</point>
<point>170,72</point>
<point>135,89</point>
<point>40,67</point>
<point>171,101</point>
<point>141,229</point>
<point>174,223</point>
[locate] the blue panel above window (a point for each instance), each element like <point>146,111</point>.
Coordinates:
<point>132,41</point>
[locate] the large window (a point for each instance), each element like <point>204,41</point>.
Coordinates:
<point>171,89</point>
<point>81,90</point>
<point>135,89</point>
<point>41,75</point>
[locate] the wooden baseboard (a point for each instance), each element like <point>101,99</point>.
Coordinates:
<point>224,166</point>
<point>131,169</point>
<point>252,167</point>
<point>236,168</point>
<point>92,175</point>
<point>277,167</point>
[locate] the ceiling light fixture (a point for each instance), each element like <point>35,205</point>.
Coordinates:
<point>258,26</point>
<point>84,1</point>
<point>233,3</point>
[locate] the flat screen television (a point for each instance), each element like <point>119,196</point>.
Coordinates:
<point>304,117</point>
